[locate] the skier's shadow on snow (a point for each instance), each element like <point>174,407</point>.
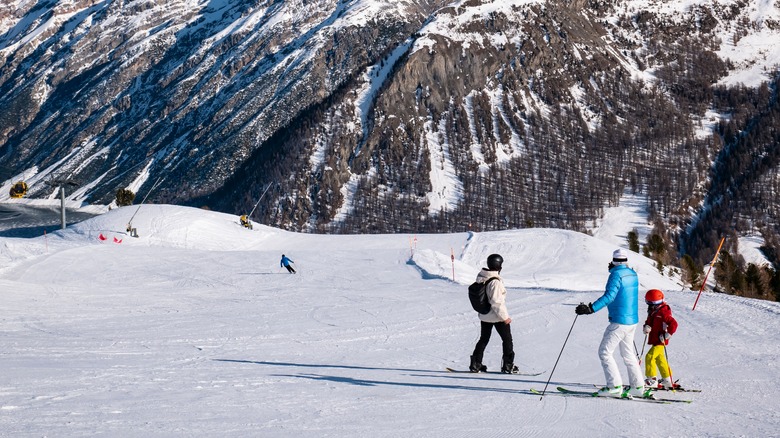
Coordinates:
<point>366,382</point>
<point>260,273</point>
<point>416,373</point>
<point>309,365</point>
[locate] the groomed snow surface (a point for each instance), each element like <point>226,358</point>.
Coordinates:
<point>193,329</point>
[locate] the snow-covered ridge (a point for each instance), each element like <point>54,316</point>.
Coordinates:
<point>533,256</point>
<point>462,22</point>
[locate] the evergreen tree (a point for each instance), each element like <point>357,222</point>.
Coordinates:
<point>691,272</point>
<point>633,240</point>
<point>775,284</point>
<point>124,197</point>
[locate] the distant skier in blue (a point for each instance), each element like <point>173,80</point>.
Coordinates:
<point>286,263</point>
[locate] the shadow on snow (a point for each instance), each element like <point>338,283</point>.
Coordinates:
<point>417,373</point>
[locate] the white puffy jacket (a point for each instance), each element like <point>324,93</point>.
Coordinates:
<point>496,293</point>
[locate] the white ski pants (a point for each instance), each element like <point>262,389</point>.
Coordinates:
<point>619,335</point>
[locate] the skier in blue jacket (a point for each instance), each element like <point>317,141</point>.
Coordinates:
<point>286,263</point>
<point>621,298</point>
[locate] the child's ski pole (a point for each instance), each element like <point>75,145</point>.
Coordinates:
<point>668,365</point>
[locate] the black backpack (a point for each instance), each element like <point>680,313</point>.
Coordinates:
<point>478,296</point>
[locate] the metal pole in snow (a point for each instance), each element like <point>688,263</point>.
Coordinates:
<point>714,259</point>
<point>249,216</point>
<point>62,204</point>
<point>61,184</point>
<point>130,222</point>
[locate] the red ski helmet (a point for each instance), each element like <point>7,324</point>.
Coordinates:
<point>654,296</point>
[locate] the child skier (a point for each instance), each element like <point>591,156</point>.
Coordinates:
<point>659,327</point>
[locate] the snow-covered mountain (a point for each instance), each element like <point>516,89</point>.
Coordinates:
<point>193,330</point>
<point>388,116</point>
<point>112,93</point>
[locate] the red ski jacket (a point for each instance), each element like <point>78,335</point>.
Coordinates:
<point>659,319</point>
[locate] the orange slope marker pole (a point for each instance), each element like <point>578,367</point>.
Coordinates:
<point>452,257</point>
<point>714,259</point>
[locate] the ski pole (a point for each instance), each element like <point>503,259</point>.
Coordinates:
<point>559,357</point>
<point>636,350</point>
<point>643,350</point>
<point>668,366</point>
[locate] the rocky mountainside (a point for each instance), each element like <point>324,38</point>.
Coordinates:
<point>391,116</point>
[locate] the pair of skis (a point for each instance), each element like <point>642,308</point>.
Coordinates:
<point>571,393</point>
<point>675,389</point>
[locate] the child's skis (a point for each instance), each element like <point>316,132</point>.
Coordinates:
<point>677,388</point>
<point>586,394</point>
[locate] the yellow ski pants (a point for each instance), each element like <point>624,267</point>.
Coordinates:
<point>656,358</point>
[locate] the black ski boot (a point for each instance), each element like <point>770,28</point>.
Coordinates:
<point>508,366</point>
<point>476,366</point>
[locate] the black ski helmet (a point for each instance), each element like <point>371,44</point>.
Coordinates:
<point>494,262</point>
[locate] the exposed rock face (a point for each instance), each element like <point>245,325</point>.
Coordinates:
<point>188,90</point>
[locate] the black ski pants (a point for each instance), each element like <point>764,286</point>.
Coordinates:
<point>504,331</point>
<point>290,269</point>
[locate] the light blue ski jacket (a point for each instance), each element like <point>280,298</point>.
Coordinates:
<point>621,297</point>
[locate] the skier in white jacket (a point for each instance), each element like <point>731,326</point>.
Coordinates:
<point>498,317</point>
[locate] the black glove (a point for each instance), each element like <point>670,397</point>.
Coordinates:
<point>584,309</point>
